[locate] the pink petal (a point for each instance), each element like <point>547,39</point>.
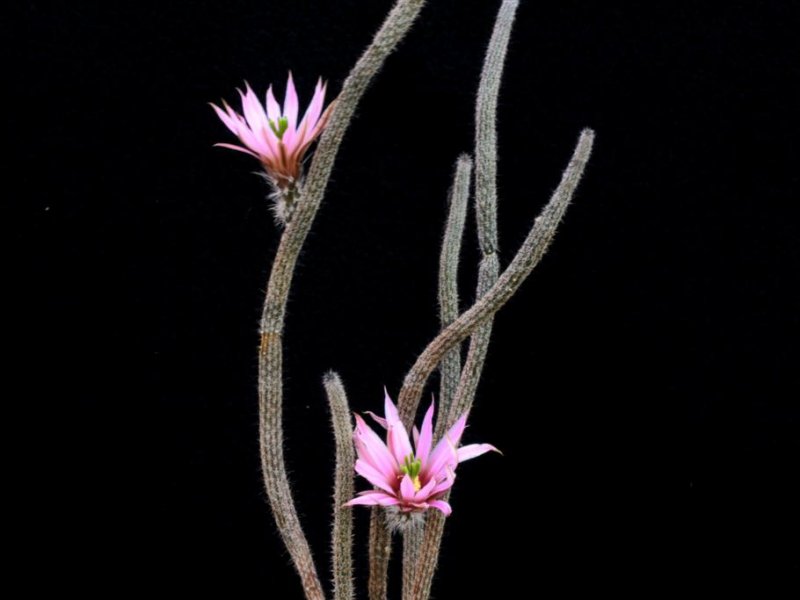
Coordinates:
<point>457,430</point>
<point>379,420</point>
<point>444,453</point>
<point>375,450</point>
<point>273,109</point>
<point>372,498</point>
<point>442,506</point>
<point>239,148</point>
<point>389,409</point>
<point>372,475</point>
<point>321,122</point>
<point>407,489</point>
<point>415,435</point>
<point>290,103</point>
<point>425,441</point>
<point>399,444</point>
<point>230,123</point>
<point>365,454</point>
<point>426,491</point>
<point>444,484</point>
<point>253,111</point>
<point>246,135</point>
<point>474,450</point>
<point>270,142</point>
<point>310,135</point>
<point>314,109</point>
<point>238,125</point>
<point>289,142</point>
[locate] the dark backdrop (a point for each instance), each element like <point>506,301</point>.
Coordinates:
<point>643,384</point>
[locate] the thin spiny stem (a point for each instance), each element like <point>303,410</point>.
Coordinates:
<point>486,126</point>
<point>429,554</point>
<point>344,489</point>
<point>380,551</point>
<point>270,380</point>
<point>448,276</point>
<point>412,541</point>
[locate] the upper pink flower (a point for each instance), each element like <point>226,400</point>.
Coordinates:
<point>410,479</point>
<point>274,135</point>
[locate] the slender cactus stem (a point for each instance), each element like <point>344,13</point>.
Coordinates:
<point>344,489</point>
<point>488,273</point>
<point>486,126</point>
<point>270,380</point>
<point>412,541</point>
<point>429,554</point>
<point>380,551</point>
<point>448,276</point>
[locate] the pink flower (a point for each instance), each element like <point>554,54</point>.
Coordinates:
<point>273,134</point>
<point>410,481</point>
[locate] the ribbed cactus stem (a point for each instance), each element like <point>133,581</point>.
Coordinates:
<point>343,489</point>
<point>448,275</point>
<point>412,541</point>
<point>380,551</point>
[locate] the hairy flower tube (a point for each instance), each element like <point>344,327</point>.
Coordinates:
<point>276,136</point>
<point>409,481</point>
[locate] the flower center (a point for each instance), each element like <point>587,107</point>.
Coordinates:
<point>280,128</point>
<point>412,466</point>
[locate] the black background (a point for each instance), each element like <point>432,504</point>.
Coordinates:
<point>643,384</point>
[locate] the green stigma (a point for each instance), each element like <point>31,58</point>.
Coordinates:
<point>280,128</point>
<point>412,466</point>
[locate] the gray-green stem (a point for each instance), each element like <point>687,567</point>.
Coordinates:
<point>343,489</point>
<point>270,380</point>
<point>448,276</point>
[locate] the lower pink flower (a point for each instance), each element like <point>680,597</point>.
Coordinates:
<point>410,480</point>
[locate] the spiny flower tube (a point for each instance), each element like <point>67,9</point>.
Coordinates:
<point>274,135</point>
<point>409,481</point>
